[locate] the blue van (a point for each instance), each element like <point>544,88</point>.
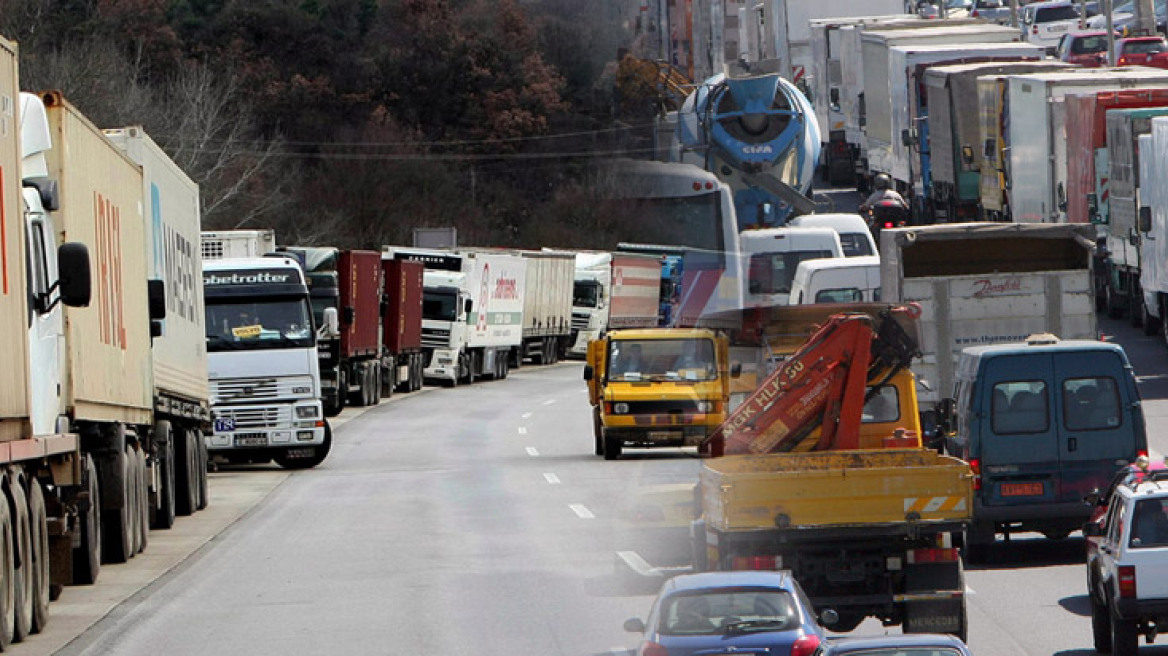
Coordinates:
<point>1042,424</point>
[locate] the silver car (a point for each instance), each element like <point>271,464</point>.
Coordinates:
<point>997,11</point>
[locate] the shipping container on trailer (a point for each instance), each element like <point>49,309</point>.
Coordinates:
<point>401,322</point>
<point>1037,138</point>
<point>14,311</point>
<point>360,310</point>
<point>547,304</point>
<point>958,150</point>
<point>1154,240</point>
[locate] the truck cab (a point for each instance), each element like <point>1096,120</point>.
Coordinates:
<point>657,387</point>
<point>1043,424</point>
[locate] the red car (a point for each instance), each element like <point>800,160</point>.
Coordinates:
<point>1142,51</point>
<point>1087,49</point>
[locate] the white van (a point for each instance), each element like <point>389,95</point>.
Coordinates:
<point>774,253</point>
<point>853,231</point>
<point>850,280</point>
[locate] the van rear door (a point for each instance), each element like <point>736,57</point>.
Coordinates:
<point>1019,448</point>
<point>1097,434</point>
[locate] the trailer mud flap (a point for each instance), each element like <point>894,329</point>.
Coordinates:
<point>934,598</point>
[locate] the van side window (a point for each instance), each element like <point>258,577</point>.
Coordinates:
<point>1091,404</point>
<point>855,244</point>
<point>849,295</point>
<point>1020,407</point>
<point>1115,529</point>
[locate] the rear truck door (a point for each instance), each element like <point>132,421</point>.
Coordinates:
<point>595,359</point>
<point>1097,435</point>
<point>1019,448</point>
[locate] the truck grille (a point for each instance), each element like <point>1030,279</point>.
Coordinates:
<point>435,337</point>
<point>662,407</point>
<point>580,321</point>
<point>245,390</point>
<point>263,417</point>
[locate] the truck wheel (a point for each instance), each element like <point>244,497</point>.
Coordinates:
<point>135,501</point>
<point>1124,638</point>
<point>612,447</point>
<point>977,541</point>
<point>41,575</point>
<point>1100,625</point>
<point>118,523</point>
<point>1111,302</point>
<point>184,473</point>
<point>143,500</point>
<point>1151,325</point>
<point>419,373</point>
<point>203,498</point>
<point>319,454</point>
<point>699,555</point>
<point>87,555</point>
<point>7,576</point>
<point>162,517</point>
<point>597,432</point>
<point>22,543</point>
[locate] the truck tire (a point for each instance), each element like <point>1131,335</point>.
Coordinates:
<point>1163,324</point>
<point>135,502</point>
<point>87,555</point>
<point>185,478</point>
<point>597,432</point>
<point>203,497</point>
<point>977,541</point>
<point>612,447</point>
<point>1100,625</point>
<point>162,516</point>
<point>118,523</point>
<point>41,575</point>
<point>319,454</point>
<point>1124,637</point>
<point>7,576</point>
<point>924,617</point>
<point>22,543</point>
<point>699,555</point>
<point>1112,302</point>
<point>143,500</point>
<point>1150,324</point>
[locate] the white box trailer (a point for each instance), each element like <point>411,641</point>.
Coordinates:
<point>547,305</point>
<point>1036,143</point>
<point>987,283</point>
<point>1154,223</point>
<point>880,77</point>
<point>173,256</point>
<point>221,244</point>
<point>907,65</point>
<point>790,25</point>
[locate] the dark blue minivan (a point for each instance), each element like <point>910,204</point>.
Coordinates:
<point>1042,424</point>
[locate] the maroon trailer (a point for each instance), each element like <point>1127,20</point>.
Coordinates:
<point>401,321</point>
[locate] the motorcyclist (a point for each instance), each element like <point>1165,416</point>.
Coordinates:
<point>884,194</point>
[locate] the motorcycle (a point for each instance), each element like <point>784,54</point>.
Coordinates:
<point>886,214</point>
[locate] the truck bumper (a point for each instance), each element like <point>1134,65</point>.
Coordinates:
<point>1038,517</point>
<point>659,436</point>
<point>243,426</point>
<point>443,365</point>
<point>1138,609</point>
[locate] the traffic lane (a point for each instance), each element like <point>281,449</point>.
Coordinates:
<point>431,528</point>
<point>1149,358</point>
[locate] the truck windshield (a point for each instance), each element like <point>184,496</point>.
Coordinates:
<point>439,305</point>
<point>586,293</point>
<point>690,221</point>
<point>234,325</point>
<point>662,359</point>
<point>772,273</point>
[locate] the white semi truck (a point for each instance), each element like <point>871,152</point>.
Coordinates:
<point>263,363</point>
<point>472,312</point>
<point>613,291</point>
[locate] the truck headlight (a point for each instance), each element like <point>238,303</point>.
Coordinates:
<point>307,412</point>
<point>705,406</point>
<point>620,408</point>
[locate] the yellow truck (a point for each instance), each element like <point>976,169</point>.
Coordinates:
<point>657,387</point>
<point>821,471</point>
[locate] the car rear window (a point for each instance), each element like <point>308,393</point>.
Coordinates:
<point>1020,407</point>
<point>1150,524</point>
<point>1144,47</point>
<point>1050,14</point>
<point>988,4</point>
<point>1089,45</point>
<point>740,610</point>
<point>1091,404</point>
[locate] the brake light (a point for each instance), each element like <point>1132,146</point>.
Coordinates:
<point>653,649</point>
<point>1127,581</point>
<point>805,646</point>
<point>975,465</point>
<point>1034,30</point>
<point>1142,453</point>
<point>973,14</point>
<point>756,563</point>
<point>888,224</point>
<point>932,555</point>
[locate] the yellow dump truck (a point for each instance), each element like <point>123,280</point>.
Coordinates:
<point>657,387</point>
<point>845,498</point>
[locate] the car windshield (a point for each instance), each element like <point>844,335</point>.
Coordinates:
<point>1149,47</point>
<point>586,293</point>
<point>439,305</point>
<point>234,325</point>
<point>729,611</point>
<point>662,359</point>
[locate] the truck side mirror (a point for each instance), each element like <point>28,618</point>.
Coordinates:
<point>467,306</point>
<point>47,189</point>
<point>967,155</point>
<point>908,137</point>
<point>835,99</point>
<point>155,328</point>
<point>1145,219</point>
<point>156,293</point>
<point>587,372</point>
<point>332,323</point>
<point>735,369</point>
<point>74,282</point>
<point>349,316</point>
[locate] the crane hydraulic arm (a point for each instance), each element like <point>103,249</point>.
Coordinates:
<point>824,385</point>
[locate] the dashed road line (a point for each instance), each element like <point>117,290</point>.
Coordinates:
<point>549,401</point>
<point>551,478</point>
<point>581,511</point>
<point>618,651</point>
<point>532,451</point>
<point>523,430</point>
<point>526,415</point>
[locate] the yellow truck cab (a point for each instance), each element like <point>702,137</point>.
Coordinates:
<point>657,387</point>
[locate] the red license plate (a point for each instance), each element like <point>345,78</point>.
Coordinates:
<point>1021,489</point>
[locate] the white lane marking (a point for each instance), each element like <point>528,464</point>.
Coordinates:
<point>523,430</point>
<point>581,511</point>
<point>635,562</point>
<point>549,402</point>
<point>619,651</point>
<point>526,415</point>
<point>969,590</point>
<point>531,451</point>
<point>551,478</point>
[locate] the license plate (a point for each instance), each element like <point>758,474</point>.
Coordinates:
<point>1021,489</point>
<point>664,435</point>
<point>251,440</point>
<point>1057,28</point>
<point>224,425</point>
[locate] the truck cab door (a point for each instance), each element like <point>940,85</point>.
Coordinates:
<point>1017,436</point>
<point>597,349</point>
<point>46,326</point>
<point>1098,430</point>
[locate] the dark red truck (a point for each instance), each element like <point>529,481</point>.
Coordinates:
<point>401,326</point>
